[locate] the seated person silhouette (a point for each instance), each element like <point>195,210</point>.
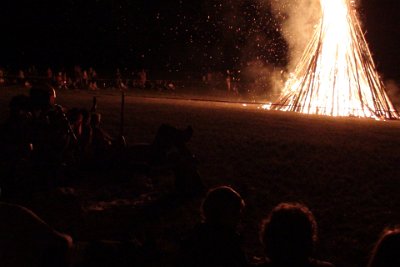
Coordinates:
<point>26,240</point>
<point>215,241</point>
<point>386,252</point>
<point>289,235</point>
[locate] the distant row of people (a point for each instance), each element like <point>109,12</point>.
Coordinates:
<point>89,79</point>
<point>86,79</point>
<point>288,234</point>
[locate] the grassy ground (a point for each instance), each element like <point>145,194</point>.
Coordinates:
<point>345,169</point>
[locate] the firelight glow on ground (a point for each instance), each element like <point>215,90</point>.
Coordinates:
<point>336,75</point>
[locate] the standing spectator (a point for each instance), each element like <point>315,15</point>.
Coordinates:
<point>50,76</point>
<point>118,80</point>
<point>32,72</point>
<point>386,252</point>
<point>90,73</point>
<point>2,80</point>
<point>85,79</point>
<point>59,80</point>
<point>92,79</point>
<point>228,80</point>
<point>78,77</point>
<point>21,77</point>
<point>132,82</point>
<point>66,80</point>
<point>142,78</point>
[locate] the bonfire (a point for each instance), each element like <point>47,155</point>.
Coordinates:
<point>336,75</point>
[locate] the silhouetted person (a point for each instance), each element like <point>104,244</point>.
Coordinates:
<point>21,77</point>
<point>118,80</point>
<point>15,145</point>
<point>215,241</point>
<point>85,139</point>
<point>289,235</point>
<point>99,134</point>
<point>14,138</point>
<point>50,76</point>
<point>85,79</point>
<point>2,79</point>
<point>169,148</point>
<point>76,149</point>
<point>26,240</point>
<point>78,75</point>
<point>51,135</point>
<point>60,80</point>
<point>228,80</point>
<point>92,79</point>
<point>142,78</point>
<point>50,128</point>
<point>386,252</point>
<point>101,148</point>
<point>75,118</point>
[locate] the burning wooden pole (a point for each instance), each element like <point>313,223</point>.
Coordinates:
<point>336,75</point>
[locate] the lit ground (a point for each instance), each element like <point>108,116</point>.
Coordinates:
<point>346,170</point>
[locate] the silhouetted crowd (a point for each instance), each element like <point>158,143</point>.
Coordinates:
<point>45,136</point>
<point>79,78</point>
<point>41,141</point>
<point>84,79</point>
<point>288,234</point>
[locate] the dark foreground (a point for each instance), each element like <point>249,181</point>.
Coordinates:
<point>345,169</point>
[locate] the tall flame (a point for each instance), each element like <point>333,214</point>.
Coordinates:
<point>336,75</point>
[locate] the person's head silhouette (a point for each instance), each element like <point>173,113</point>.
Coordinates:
<point>289,233</point>
<point>222,206</point>
<point>386,252</point>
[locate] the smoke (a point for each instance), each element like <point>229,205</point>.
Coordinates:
<point>294,21</point>
<point>298,19</point>
<point>393,91</point>
<point>268,80</point>
<point>264,39</point>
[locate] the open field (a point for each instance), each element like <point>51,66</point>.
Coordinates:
<point>346,170</point>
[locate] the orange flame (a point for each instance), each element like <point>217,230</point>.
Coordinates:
<point>336,75</point>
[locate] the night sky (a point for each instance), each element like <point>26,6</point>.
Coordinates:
<point>170,36</point>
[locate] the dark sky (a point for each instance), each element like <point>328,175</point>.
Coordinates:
<point>175,36</point>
